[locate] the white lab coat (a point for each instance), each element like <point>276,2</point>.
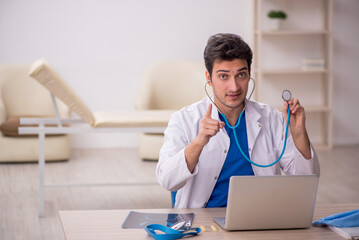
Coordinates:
<point>265,133</point>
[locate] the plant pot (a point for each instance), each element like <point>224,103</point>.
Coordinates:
<point>274,24</point>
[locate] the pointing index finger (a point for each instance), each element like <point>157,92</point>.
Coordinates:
<point>209,111</point>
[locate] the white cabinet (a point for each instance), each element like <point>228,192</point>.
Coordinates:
<point>297,57</point>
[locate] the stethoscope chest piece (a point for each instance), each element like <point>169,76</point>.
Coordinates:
<point>286,95</point>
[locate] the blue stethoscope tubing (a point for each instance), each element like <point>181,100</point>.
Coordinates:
<point>286,96</point>
<point>239,146</point>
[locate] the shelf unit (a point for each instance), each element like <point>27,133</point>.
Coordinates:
<point>292,32</point>
<point>306,33</point>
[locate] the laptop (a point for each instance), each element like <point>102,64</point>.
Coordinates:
<point>270,202</point>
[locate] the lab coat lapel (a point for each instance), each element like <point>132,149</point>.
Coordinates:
<point>253,125</point>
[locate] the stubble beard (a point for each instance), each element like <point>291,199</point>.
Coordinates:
<point>223,102</point>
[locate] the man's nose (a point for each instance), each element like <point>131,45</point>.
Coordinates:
<point>233,84</point>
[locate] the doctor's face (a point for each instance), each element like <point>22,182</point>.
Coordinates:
<point>230,83</point>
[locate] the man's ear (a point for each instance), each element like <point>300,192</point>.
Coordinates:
<point>208,78</point>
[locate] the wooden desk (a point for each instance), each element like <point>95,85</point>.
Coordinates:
<point>106,224</point>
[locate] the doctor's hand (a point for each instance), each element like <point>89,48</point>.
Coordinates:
<point>209,127</point>
<point>297,126</point>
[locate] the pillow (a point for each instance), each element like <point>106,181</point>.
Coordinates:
<point>10,127</point>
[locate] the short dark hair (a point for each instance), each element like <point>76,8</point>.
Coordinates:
<point>226,47</point>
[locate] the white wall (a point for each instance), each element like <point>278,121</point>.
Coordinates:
<point>103,47</point>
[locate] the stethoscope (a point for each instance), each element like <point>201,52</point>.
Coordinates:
<point>286,95</point>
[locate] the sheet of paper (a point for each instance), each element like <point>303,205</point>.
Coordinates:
<point>348,233</point>
<point>140,220</point>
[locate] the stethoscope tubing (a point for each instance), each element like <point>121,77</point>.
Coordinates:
<point>239,146</point>
<point>239,120</point>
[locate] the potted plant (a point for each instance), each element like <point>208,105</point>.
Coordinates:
<point>276,17</point>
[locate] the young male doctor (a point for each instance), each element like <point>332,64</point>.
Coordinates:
<point>199,154</point>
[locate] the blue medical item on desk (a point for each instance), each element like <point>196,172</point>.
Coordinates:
<point>342,220</point>
<point>169,233</point>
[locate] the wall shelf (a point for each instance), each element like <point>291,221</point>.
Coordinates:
<point>310,109</point>
<point>291,32</point>
<point>291,71</point>
<point>278,60</point>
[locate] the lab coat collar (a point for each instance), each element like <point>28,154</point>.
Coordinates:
<point>215,111</point>
<point>253,123</point>
<point>252,113</point>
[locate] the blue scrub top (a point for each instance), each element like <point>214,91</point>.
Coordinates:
<point>234,165</point>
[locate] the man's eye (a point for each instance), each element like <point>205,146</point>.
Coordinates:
<point>242,74</point>
<point>223,77</point>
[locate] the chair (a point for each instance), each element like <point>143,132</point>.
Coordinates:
<point>22,96</point>
<point>168,85</point>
